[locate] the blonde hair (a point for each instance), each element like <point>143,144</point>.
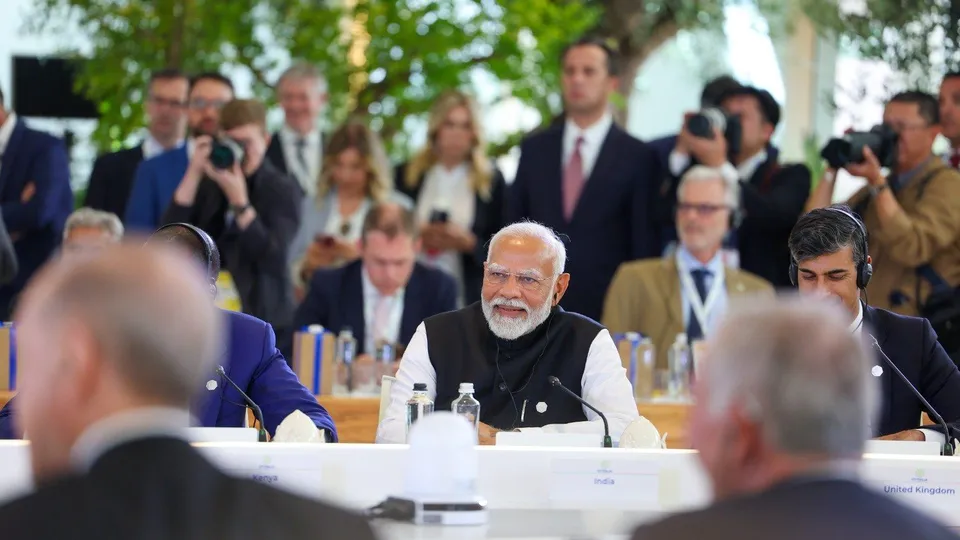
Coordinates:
<point>357,135</point>
<point>481,173</point>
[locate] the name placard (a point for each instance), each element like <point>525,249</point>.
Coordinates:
<point>295,470</point>
<point>591,480</point>
<point>917,482</point>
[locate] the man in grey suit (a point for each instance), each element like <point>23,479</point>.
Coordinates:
<point>783,407</point>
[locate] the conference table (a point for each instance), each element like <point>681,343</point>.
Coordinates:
<point>356,418</point>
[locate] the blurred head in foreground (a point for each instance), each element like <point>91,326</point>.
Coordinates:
<point>786,390</point>
<point>126,329</point>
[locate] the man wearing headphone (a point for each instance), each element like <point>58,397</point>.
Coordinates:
<point>695,283</point>
<point>830,258</point>
<point>250,359</point>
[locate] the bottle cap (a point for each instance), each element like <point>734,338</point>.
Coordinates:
<point>681,337</point>
<point>419,387</point>
<point>346,330</point>
<point>466,388</point>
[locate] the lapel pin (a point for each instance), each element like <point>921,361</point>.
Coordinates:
<point>211,385</point>
<point>541,407</point>
<point>877,371</point>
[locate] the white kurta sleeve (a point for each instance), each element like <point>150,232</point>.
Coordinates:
<point>415,367</point>
<point>606,387</point>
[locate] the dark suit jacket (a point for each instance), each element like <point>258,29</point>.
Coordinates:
<point>804,509</point>
<point>38,158</point>
<point>9,266</point>
<point>488,219</point>
<point>335,300</point>
<point>256,257</point>
<point>771,202</point>
<point>153,186</point>
<point>159,488</point>
<point>112,180</point>
<point>252,360</point>
<point>613,222</point>
<point>911,344</point>
<point>275,152</point>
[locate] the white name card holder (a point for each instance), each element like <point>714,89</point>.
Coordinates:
<point>903,448</point>
<point>555,440</point>
<point>216,434</point>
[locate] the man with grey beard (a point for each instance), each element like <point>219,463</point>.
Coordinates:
<point>510,343</point>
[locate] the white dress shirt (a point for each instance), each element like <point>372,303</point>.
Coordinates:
<point>152,148</point>
<point>371,296</point>
<point>6,131</point>
<point>448,190</point>
<point>307,178</point>
<point>593,137</point>
<point>715,269</point>
<point>857,328</point>
<point>125,427</point>
<point>604,384</point>
<point>679,162</point>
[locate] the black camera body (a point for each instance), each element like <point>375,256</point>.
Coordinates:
<point>881,140</point>
<point>224,153</point>
<point>702,124</point>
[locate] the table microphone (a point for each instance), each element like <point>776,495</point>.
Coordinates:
<point>257,413</point>
<point>947,449</point>
<point>607,441</point>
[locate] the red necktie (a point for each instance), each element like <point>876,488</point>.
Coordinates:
<point>955,159</point>
<point>573,180</point>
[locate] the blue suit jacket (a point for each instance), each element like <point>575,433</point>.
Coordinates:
<point>614,221</point>
<point>911,344</point>
<point>39,158</point>
<point>335,301</point>
<point>252,360</point>
<point>153,186</point>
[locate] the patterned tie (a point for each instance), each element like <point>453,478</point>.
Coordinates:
<point>301,158</point>
<point>694,332</point>
<point>573,180</point>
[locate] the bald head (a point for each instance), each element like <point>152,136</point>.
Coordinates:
<point>127,328</point>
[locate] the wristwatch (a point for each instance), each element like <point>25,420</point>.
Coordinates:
<point>875,190</point>
<point>239,210</point>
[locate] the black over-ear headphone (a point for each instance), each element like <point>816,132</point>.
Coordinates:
<point>864,269</point>
<point>211,254</point>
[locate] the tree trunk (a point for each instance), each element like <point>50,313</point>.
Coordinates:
<point>178,25</point>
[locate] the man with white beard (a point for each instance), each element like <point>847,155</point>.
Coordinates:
<point>510,343</point>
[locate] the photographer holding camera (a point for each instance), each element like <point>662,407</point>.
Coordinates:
<point>250,208</point>
<point>736,140</point>
<point>912,214</point>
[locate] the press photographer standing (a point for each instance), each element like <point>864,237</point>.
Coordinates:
<point>772,195</point>
<point>912,215</point>
<point>249,207</point>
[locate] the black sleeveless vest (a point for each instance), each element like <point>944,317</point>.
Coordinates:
<point>505,374</point>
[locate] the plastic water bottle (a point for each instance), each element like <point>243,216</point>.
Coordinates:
<point>646,361</point>
<point>679,366</point>
<point>418,406</point>
<point>467,406</point>
<point>346,352</point>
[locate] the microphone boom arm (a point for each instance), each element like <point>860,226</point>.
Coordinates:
<point>607,441</point>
